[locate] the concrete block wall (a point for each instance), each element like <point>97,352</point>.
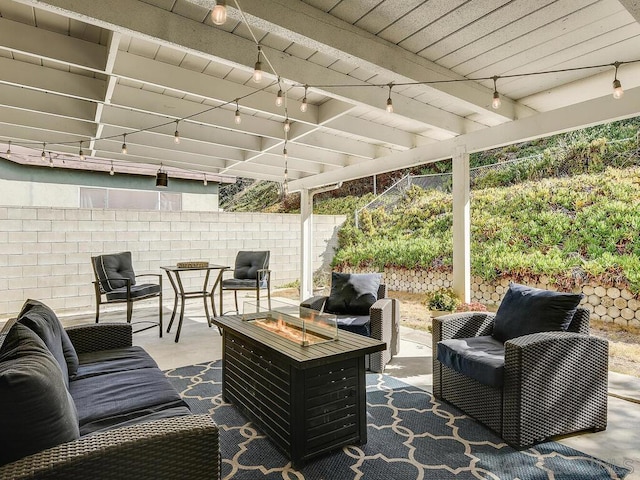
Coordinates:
<point>608,304</point>
<point>45,252</point>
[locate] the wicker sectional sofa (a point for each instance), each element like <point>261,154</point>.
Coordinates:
<point>85,403</point>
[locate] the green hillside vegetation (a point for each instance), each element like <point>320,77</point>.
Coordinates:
<point>571,213</point>
<point>569,229</point>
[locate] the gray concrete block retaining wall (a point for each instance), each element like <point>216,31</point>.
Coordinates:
<point>45,252</point>
<point>608,304</point>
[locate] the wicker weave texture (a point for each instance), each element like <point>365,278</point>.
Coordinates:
<point>174,448</point>
<point>554,382</point>
<point>103,336</point>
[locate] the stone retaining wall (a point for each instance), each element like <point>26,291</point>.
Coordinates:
<point>608,304</point>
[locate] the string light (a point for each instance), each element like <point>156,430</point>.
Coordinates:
<point>304,105</point>
<point>496,102</point>
<point>238,118</point>
<point>279,97</point>
<point>389,101</point>
<point>112,172</point>
<point>219,12</point>
<point>176,135</point>
<point>257,69</point>
<point>287,125</point>
<point>43,156</point>
<point>81,153</point>
<point>124,143</point>
<point>9,149</point>
<point>618,92</point>
<point>205,180</point>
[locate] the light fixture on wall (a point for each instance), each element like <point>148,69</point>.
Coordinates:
<point>618,92</point>
<point>219,12</point>
<point>162,179</point>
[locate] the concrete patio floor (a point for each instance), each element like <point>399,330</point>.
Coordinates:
<point>618,444</point>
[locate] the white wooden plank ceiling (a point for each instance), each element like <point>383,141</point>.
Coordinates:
<point>72,71</point>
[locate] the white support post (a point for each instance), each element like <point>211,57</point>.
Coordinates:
<point>306,237</point>
<point>461,225</point>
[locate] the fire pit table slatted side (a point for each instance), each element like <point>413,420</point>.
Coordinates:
<point>308,400</point>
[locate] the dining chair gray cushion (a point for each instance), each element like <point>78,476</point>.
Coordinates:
<point>113,270</point>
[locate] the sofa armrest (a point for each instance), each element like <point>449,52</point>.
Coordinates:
<point>315,303</point>
<point>383,325</point>
<point>104,336</point>
<point>172,448</point>
<point>554,382</point>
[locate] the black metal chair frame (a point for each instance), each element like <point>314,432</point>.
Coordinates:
<point>129,300</point>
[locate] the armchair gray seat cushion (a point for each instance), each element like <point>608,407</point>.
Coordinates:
<point>481,358</point>
<point>250,272</point>
<point>553,382</point>
<point>136,291</point>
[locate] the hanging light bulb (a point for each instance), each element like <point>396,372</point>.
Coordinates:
<point>496,102</point>
<point>81,153</point>
<point>205,180</point>
<point>112,172</point>
<point>287,125</point>
<point>238,118</point>
<point>43,155</point>
<point>124,143</point>
<point>389,101</point>
<point>176,135</point>
<point>219,13</point>
<point>9,149</point>
<point>279,98</point>
<point>257,70</point>
<point>304,105</point>
<point>618,92</point>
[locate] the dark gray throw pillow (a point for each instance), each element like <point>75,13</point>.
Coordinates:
<point>526,310</point>
<point>353,293</point>
<point>45,323</point>
<point>36,410</point>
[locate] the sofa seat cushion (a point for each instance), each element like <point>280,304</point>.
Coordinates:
<point>104,399</point>
<point>37,410</point>
<point>137,291</point>
<point>112,361</point>
<point>481,358</point>
<point>45,323</point>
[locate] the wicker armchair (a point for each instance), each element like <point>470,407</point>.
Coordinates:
<point>384,325</point>
<point>554,382</point>
<point>170,448</point>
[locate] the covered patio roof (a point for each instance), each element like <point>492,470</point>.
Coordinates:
<point>87,75</point>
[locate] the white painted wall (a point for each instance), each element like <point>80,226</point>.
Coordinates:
<point>37,194</point>
<point>45,252</point>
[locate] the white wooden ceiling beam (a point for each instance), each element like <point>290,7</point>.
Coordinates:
<point>36,101</point>
<point>173,30</point>
<point>572,117</point>
<point>314,29</point>
<point>372,131</point>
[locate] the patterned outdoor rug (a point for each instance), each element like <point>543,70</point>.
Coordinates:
<point>411,435</point>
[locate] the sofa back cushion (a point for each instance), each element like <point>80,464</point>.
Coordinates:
<point>353,293</point>
<point>113,270</point>
<point>526,310</point>
<point>36,410</point>
<point>44,322</point>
